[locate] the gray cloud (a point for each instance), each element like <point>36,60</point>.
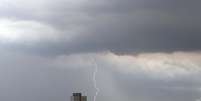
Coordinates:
<point>118,26</point>
<point>74,31</point>
<point>30,77</point>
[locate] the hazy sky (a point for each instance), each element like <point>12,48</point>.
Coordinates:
<point>146,50</point>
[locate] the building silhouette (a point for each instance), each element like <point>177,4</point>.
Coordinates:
<point>78,97</point>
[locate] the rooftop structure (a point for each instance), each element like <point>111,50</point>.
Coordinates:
<point>78,97</point>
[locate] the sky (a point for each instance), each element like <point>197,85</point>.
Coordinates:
<point>145,50</point>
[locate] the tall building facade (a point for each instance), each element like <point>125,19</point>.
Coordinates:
<point>78,97</point>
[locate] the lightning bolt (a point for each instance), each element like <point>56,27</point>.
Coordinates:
<point>94,79</point>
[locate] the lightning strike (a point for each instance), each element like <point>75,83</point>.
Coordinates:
<point>94,80</point>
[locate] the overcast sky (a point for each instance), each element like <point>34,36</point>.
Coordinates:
<point>145,50</point>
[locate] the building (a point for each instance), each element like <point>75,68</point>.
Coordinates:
<point>78,97</point>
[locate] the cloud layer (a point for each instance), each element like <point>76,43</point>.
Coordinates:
<point>25,31</point>
<point>118,26</point>
<point>146,50</point>
<point>155,76</point>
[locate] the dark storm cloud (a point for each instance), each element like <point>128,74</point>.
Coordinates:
<point>76,31</point>
<point>118,26</point>
<point>127,26</point>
